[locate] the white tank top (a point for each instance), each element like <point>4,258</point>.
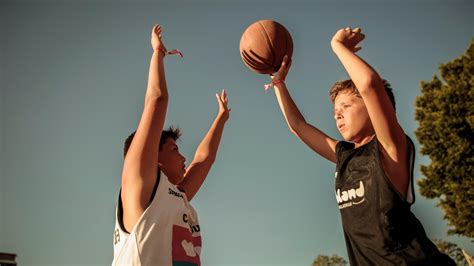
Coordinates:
<point>167,233</point>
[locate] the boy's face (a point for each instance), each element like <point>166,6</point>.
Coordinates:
<point>352,118</point>
<point>171,161</point>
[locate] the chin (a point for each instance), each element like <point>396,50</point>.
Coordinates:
<point>345,136</point>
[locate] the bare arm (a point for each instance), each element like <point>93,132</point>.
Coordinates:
<point>140,166</point>
<point>206,152</point>
<point>315,139</point>
<point>382,115</point>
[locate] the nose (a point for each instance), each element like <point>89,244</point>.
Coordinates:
<point>337,115</point>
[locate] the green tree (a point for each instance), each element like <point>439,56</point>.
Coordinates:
<point>445,112</point>
<point>453,251</point>
<point>334,260</point>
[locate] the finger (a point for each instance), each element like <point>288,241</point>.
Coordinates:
<point>347,28</point>
<point>218,98</point>
<point>221,99</point>
<point>285,61</point>
<point>356,30</point>
<point>221,96</point>
<point>224,94</point>
<point>283,65</point>
<point>157,29</point>
<point>289,63</point>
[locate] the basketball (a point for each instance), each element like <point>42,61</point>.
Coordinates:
<point>263,46</point>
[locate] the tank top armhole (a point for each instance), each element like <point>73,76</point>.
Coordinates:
<point>410,198</point>
<point>155,188</point>
<point>120,206</point>
<point>120,213</point>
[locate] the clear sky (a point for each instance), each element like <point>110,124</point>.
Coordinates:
<point>73,76</point>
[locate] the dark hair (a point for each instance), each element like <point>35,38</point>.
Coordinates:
<point>348,85</point>
<point>171,132</point>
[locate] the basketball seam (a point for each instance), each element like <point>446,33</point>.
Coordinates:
<point>271,44</point>
<point>248,60</point>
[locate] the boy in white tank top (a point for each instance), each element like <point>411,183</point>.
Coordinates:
<point>155,223</point>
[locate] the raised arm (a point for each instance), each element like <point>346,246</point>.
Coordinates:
<point>317,140</point>
<point>388,132</point>
<point>206,152</point>
<point>141,162</point>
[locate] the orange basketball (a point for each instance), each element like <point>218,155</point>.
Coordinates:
<point>263,46</point>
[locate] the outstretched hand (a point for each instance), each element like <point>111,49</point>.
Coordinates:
<point>222,100</point>
<point>348,37</point>
<point>156,42</point>
<point>283,70</point>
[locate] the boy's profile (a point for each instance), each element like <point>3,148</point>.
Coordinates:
<point>155,223</point>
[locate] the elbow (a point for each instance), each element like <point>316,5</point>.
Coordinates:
<point>205,157</point>
<point>293,130</point>
<point>369,83</point>
<point>160,96</point>
<point>295,127</point>
<point>156,99</point>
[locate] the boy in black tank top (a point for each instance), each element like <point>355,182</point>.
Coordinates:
<point>374,165</point>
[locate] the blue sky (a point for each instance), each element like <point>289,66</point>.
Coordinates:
<point>73,76</point>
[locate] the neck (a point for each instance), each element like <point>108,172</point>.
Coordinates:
<point>364,140</point>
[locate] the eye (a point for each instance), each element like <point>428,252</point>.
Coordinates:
<point>346,105</point>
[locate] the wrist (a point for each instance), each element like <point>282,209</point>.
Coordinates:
<point>277,81</point>
<point>160,51</point>
<point>337,45</point>
<point>221,116</point>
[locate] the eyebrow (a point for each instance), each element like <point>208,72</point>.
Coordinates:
<point>339,104</point>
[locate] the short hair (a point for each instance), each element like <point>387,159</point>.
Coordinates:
<point>348,85</point>
<point>171,132</point>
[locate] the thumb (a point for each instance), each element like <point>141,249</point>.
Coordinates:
<point>285,61</point>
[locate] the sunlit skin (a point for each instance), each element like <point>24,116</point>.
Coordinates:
<point>171,162</point>
<point>352,118</point>
<point>145,158</point>
<point>359,119</point>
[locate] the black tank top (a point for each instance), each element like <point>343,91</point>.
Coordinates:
<point>379,228</point>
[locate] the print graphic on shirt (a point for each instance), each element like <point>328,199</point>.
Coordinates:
<point>174,193</point>
<point>186,248</point>
<point>350,197</point>
<point>194,228</point>
<point>116,236</point>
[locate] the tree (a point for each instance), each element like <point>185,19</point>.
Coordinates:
<point>334,260</point>
<point>445,112</point>
<point>453,251</point>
